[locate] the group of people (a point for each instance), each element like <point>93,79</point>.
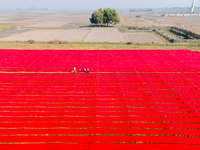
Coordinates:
<point>84,70</point>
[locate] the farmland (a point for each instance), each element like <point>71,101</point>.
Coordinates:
<point>43,20</point>
<point>83,34</point>
<point>48,35</point>
<point>147,20</point>
<point>12,32</point>
<point>130,99</point>
<point>48,24</point>
<point>53,23</point>
<point>105,34</point>
<point>142,38</point>
<point>189,20</point>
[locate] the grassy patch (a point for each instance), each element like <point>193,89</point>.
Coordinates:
<point>96,46</point>
<point>4,27</point>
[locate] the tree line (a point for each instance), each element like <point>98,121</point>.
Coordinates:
<point>106,16</point>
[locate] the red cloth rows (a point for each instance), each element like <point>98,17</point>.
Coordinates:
<point>100,60</point>
<point>158,109</point>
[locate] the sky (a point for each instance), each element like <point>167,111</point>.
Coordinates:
<point>93,4</point>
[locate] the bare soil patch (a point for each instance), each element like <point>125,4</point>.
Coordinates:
<point>162,21</point>
<point>57,20</point>
<point>105,35</point>
<point>12,32</point>
<point>49,35</point>
<point>44,20</point>
<point>143,38</point>
<point>190,20</point>
<point>48,24</point>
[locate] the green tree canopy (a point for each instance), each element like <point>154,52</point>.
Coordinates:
<point>106,16</point>
<point>97,17</point>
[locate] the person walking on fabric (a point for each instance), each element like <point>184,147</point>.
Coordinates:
<point>88,70</point>
<point>84,70</point>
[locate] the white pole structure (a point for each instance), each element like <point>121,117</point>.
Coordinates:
<point>192,8</point>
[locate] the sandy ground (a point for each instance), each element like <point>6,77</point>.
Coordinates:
<point>44,20</point>
<point>57,20</point>
<point>190,20</point>
<point>147,19</point>
<point>49,24</point>
<point>12,32</point>
<point>143,38</point>
<point>146,22</point>
<point>48,35</point>
<point>105,35</point>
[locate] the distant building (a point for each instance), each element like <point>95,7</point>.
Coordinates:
<point>140,10</point>
<point>180,15</point>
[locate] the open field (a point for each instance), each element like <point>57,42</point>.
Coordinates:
<point>147,20</point>
<point>154,19</point>
<point>189,23</point>
<point>16,22</point>
<point>3,18</point>
<point>48,35</point>
<point>143,38</point>
<point>12,32</point>
<point>57,20</point>
<point>141,23</point>
<point>163,21</point>
<point>190,20</point>
<point>131,99</point>
<point>48,24</point>
<point>105,35</point>
<point>54,21</point>
<point>43,20</point>
<point>39,19</point>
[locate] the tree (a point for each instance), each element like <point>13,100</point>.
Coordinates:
<point>101,10</point>
<point>106,16</point>
<point>97,17</point>
<point>111,16</point>
<point>116,18</point>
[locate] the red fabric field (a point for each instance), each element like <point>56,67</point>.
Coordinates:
<point>132,99</point>
<point>100,60</point>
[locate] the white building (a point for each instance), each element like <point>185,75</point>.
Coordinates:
<point>180,15</point>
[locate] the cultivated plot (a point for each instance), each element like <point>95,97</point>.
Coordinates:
<point>48,35</point>
<point>12,32</point>
<point>105,35</point>
<point>43,20</point>
<point>190,20</point>
<point>16,22</point>
<point>57,20</point>
<point>48,24</point>
<point>142,38</point>
<point>162,21</point>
